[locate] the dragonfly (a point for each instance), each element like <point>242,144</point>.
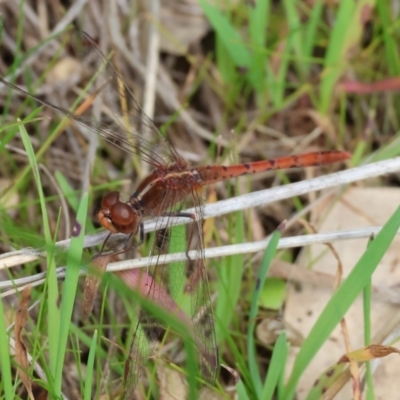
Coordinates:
<point>171,183</point>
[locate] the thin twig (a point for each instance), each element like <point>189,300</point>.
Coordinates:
<point>213,252</point>
<point>152,59</point>
<point>152,63</point>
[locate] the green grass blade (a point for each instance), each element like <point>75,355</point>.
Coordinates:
<point>342,299</point>
<point>35,169</point>
<point>228,35</point>
<point>262,274</point>
<point>176,270</point>
<point>258,27</point>
<point>311,35</point>
<point>71,282</point>
<point>367,300</point>
<point>230,280</point>
<point>5,365</point>
<point>241,391</point>
<point>334,61</point>
<point>390,40</point>
<point>276,367</point>
<point>279,81</point>
<point>51,278</point>
<point>90,368</point>
<point>222,330</point>
<point>295,34</point>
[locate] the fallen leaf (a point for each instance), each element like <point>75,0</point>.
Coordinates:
<point>65,73</point>
<point>173,386</point>
<point>268,330</point>
<point>359,207</point>
<point>369,353</point>
<point>181,24</point>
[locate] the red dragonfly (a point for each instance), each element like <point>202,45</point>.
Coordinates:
<point>172,182</point>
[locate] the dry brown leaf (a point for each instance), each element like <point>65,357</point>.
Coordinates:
<point>369,353</point>
<point>362,207</point>
<point>182,23</point>
<point>268,330</point>
<point>97,266</point>
<point>66,73</point>
<point>21,356</point>
<point>172,383</point>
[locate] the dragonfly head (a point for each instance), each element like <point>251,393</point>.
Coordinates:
<point>116,216</point>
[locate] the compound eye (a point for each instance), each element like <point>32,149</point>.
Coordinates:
<point>110,199</point>
<point>122,215</point>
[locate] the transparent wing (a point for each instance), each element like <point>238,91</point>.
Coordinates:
<point>202,313</point>
<point>167,286</point>
<point>121,120</point>
<point>155,286</point>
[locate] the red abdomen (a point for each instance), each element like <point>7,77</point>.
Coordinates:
<point>215,173</point>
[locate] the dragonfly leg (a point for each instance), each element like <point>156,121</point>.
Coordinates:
<point>129,244</point>
<point>104,243</point>
<point>184,215</point>
<point>191,233</point>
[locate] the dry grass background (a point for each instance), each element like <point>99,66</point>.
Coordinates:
<point>168,53</point>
